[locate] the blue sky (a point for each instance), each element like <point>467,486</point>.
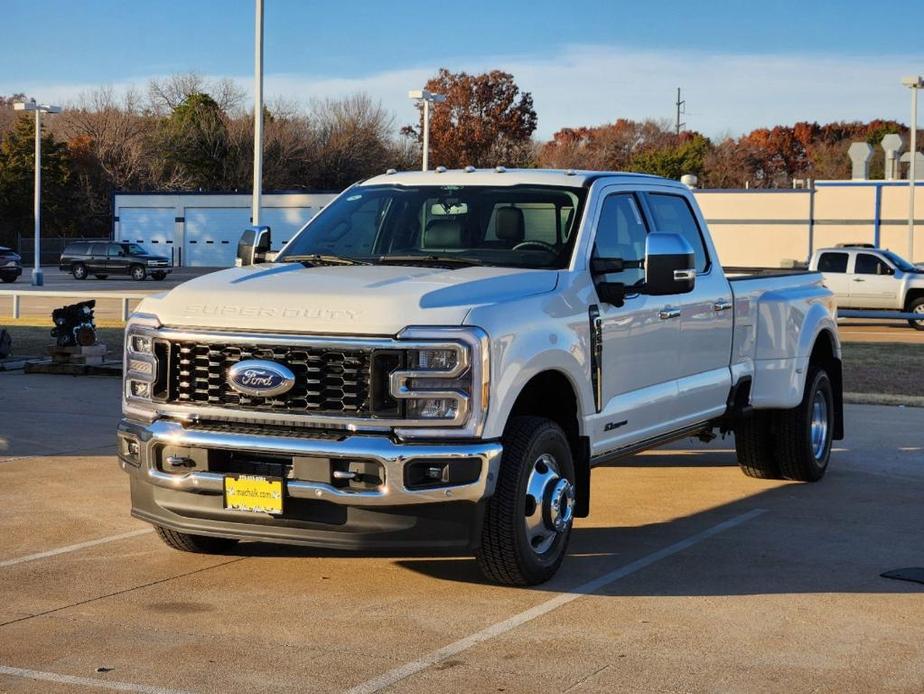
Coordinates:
<point>741,64</point>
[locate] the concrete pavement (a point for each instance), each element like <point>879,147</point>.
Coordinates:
<point>687,576</point>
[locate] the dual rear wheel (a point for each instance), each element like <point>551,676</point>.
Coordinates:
<point>790,444</point>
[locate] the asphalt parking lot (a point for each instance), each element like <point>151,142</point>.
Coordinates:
<point>687,576</point>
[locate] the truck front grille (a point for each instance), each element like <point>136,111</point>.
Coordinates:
<point>327,381</point>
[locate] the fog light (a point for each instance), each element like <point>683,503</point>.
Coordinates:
<point>432,408</point>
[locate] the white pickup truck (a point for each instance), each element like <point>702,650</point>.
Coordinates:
<point>865,277</point>
<point>439,360</point>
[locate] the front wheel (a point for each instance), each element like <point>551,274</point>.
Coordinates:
<point>138,273</point>
<point>8,278</point>
<point>917,306</point>
<point>79,271</point>
<point>159,276</point>
<point>528,520</point>
<point>804,433</point>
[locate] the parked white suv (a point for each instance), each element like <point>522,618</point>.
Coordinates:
<point>439,359</point>
<point>865,277</point>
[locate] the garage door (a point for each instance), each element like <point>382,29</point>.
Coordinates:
<point>284,222</point>
<point>212,234</point>
<point>152,227</point>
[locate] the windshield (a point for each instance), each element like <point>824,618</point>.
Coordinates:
<point>515,226</point>
<point>135,249</point>
<point>899,262</point>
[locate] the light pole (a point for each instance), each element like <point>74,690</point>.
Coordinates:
<point>914,83</point>
<point>257,116</point>
<point>427,97</point>
<point>37,278</point>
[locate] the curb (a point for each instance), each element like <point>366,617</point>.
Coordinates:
<point>884,399</point>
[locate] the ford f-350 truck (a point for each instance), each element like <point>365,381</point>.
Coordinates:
<point>439,360</point>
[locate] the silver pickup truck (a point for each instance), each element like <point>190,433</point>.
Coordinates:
<point>440,359</point>
<point>864,277</point>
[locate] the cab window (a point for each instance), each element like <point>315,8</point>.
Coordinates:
<point>832,262</point>
<point>871,265</point>
<point>621,233</point>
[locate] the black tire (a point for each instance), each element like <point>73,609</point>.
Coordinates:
<point>159,276</point>
<point>506,555</point>
<point>8,278</point>
<point>754,446</point>
<point>101,277</point>
<point>79,271</point>
<point>917,306</point>
<point>199,544</point>
<point>138,272</point>
<point>796,454</point>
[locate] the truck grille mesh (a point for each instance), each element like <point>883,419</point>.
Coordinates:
<point>327,381</point>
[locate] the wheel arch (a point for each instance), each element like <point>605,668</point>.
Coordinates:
<point>552,395</point>
<point>826,354</point>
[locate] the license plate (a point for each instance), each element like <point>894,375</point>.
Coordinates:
<point>254,494</point>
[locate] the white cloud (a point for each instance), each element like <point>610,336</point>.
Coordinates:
<point>584,85</point>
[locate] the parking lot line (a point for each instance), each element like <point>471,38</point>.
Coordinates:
<point>404,671</point>
<point>84,681</point>
<point>74,548</point>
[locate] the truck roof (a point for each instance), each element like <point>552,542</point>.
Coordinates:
<point>509,177</point>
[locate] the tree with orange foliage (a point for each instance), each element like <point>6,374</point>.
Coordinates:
<point>485,121</point>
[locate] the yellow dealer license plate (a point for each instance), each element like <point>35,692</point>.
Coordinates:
<point>254,494</point>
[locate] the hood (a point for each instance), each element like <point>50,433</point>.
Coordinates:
<point>353,300</point>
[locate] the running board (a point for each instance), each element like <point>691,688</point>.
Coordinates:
<point>634,448</point>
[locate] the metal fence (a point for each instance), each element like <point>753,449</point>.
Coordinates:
<point>122,297</point>
<point>52,247</point>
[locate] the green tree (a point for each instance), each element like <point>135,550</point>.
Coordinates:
<point>17,176</point>
<point>195,142</point>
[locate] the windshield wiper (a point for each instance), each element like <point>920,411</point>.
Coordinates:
<point>323,259</point>
<point>461,261</point>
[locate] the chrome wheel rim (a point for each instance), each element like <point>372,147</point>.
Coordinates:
<point>549,504</point>
<point>819,425</point>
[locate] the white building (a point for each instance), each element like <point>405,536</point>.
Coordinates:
<point>202,229</point>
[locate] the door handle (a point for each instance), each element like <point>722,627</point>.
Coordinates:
<point>721,305</point>
<point>669,313</point>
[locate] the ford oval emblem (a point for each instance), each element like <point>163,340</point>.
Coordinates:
<point>260,378</point>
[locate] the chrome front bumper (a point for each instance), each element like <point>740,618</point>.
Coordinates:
<point>391,455</point>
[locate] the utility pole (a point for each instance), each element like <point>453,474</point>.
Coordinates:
<point>915,84</point>
<point>681,111</point>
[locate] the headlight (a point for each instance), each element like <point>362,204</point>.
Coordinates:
<point>140,364</point>
<point>445,378</point>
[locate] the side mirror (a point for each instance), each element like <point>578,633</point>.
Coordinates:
<point>254,246</point>
<point>669,264</point>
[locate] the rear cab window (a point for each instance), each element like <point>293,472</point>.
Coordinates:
<point>833,262</point>
<point>672,213</point>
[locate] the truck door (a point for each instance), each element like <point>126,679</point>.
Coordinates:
<point>706,316</point>
<point>873,284</point>
<point>833,267</point>
<point>640,339</point>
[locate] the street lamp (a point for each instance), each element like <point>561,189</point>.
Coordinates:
<point>427,97</point>
<point>37,279</point>
<point>914,83</point>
